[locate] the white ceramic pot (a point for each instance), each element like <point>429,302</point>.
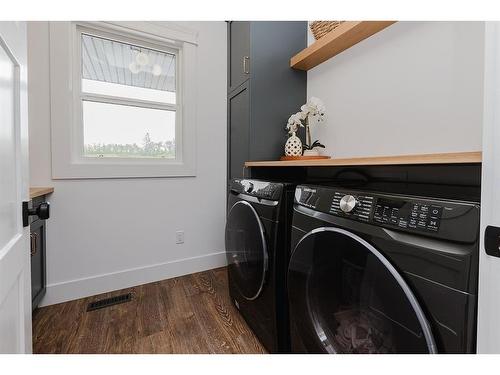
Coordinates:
<point>293,146</point>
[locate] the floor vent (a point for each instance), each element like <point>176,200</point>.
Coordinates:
<point>109,302</point>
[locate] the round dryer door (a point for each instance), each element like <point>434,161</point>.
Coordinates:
<point>246,250</point>
<point>346,297</point>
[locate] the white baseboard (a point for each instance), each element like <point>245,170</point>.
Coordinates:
<point>89,286</point>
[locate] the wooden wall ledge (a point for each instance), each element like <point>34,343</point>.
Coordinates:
<point>341,38</point>
<point>443,158</point>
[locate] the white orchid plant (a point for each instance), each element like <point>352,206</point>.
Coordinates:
<point>311,112</point>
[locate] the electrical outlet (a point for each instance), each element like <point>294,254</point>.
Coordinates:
<point>179,237</point>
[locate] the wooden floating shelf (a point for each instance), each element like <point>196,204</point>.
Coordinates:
<point>39,191</point>
<point>444,158</point>
<point>341,38</point>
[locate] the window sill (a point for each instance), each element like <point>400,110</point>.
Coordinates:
<point>124,169</point>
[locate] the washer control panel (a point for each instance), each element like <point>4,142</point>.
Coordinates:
<point>438,218</point>
<point>408,214</point>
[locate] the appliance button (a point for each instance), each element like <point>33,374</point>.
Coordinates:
<point>424,207</point>
<point>436,211</point>
<point>421,224</point>
<point>414,214</point>
<point>433,223</point>
<point>403,223</point>
<point>394,220</point>
<point>422,216</point>
<point>414,207</point>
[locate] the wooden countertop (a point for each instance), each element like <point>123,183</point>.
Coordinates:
<point>39,191</point>
<point>442,158</point>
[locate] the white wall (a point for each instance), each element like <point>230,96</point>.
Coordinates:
<point>415,87</point>
<point>109,234</point>
<point>488,333</point>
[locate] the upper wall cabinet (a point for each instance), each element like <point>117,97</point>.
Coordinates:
<point>239,57</point>
<point>263,91</point>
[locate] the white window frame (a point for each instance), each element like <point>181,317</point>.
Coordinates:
<point>68,160</point>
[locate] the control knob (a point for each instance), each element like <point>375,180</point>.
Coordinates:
<point>347,203</point>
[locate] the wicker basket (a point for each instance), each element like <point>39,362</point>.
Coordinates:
<point>320,28</point>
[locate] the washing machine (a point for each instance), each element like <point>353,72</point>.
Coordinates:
<point>257,242</point>
<point>382,272</point>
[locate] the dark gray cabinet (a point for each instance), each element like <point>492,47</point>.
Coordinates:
<point>38,257</point>
<point>239,57</point>
<point>263,91</point>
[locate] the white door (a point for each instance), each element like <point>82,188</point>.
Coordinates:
<point>15,279</point>
<point>489,266</point>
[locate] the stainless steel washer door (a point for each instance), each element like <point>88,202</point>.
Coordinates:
<point>246,250</point>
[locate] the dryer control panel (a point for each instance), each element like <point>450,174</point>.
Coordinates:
<point>258,189</point>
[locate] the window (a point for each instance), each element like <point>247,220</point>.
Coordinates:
<point>128,100</point>
<point>131,108</point>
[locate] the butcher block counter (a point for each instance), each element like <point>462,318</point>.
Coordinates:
<point>40,191</point>
<point>441,158</point>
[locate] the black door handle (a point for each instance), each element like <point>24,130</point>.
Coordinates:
<point>42,211</point>
<point>492,241</point>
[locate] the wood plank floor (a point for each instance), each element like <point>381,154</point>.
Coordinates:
<point>188,314</point>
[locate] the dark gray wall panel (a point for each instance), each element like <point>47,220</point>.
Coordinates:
<point>239,120</point>
<point>278,91</point>
<point>272,90</point>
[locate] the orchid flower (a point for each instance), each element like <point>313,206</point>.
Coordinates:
<point>294,122</point>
